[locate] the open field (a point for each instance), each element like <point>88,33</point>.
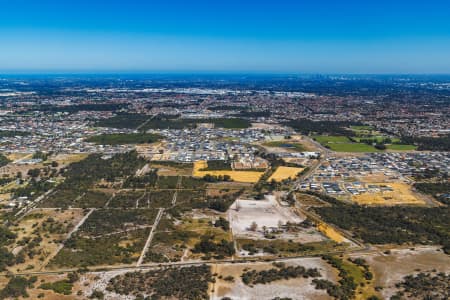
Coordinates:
<point>398,147</point>
<point>390,268</point>
<point>176,240</point>
<point>295,288</point>
<point>343,144</point>
<point>268,216</point>
<point>287,145</point>
<point>240,176</point>
<point>352,147</point>
<point>43,229</point>
<point>330,233</point>
<point>326,139</point>
<point>283,172</point>
<point>398,194</point>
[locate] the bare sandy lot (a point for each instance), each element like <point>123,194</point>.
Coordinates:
<point>298,288</point>
<point>400,193</point>
<point>390,269</point>
<point>267,214</point>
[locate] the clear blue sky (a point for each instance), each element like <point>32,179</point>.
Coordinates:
<point>314,36</point>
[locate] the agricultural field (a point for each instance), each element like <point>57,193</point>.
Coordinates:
<point>240,176</point>
<point>282,173</point>
<point>398,194</point>
<point>230,283</point>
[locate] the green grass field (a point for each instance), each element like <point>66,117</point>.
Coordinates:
<point>398,147</point>
<point>325,139</point>
<point>285,144</point>
<point>352,147</point>
<point>361,127</point>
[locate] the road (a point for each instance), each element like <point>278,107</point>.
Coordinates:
<point>61,245</point>
<point>150,237</point>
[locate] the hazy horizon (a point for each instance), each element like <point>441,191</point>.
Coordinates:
<point>351,37</point>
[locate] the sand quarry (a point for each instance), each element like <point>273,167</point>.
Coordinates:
<point>298,288</point>
<point>267,213</point>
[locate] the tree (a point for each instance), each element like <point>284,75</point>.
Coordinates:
<point>253,226</point>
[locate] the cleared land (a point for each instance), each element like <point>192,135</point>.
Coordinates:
<point>283,172</point>
<point>296,288</point>
<point>400,193</point>
<point>268,215</point>
<point>390,267</point>
<point>240,176</point>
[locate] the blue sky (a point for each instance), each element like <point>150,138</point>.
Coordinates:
<point>315,36</point>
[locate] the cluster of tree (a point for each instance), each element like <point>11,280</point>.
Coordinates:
<point>222,223</point>
<point>423,286</point>
<point>306,126</point>
<point>106,249</point>
<point>162,122</point>
<point>381,225</point>
<point>6,238</point>
<point>429,143</point>
<point>274,246</point>
<point>3,160</point>
<point>41,155</point>
<point>363,264</point>
<point>123,120</point>
<point>103,221</point>
<point>147,180</point>
<point>85,173</point>
<point>222,203</point>
<point>34,188</point>
<point>13,133</point>
<point>63,287</point>
<point>214,178</point>
<point>170,283</point>
<point>346,287</point>
<point>254,114</point>
<point>214,165</point>
<point>124,138</point>
<point>17,287</point>
<point>439,190</point>
<point>278,273</point>
<point>208,246</point>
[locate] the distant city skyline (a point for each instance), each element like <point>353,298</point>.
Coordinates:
<point>366,37</point>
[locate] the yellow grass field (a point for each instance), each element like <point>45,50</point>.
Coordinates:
<point>330,232</point>
<point>282,173</point>
<point>401,194</point>
<point>240,176</point>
